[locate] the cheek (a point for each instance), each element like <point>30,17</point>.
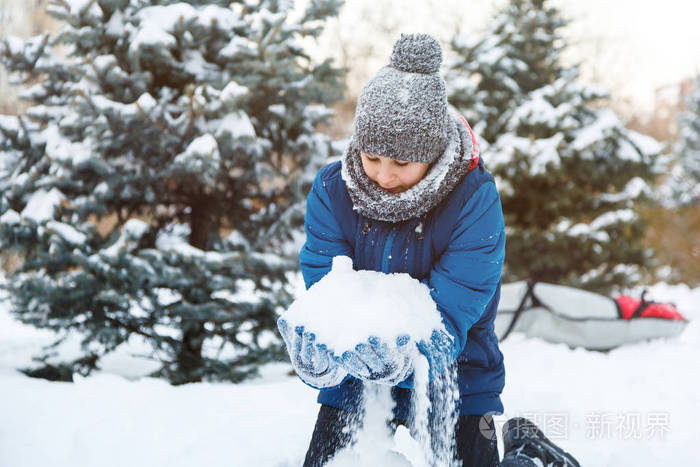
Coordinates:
<point>412,176</point>
<point>368,170</point>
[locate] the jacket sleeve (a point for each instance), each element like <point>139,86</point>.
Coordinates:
<point>465,277</point>
<point>324,237</point>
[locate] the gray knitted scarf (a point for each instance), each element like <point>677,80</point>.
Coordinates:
<point>372,201</point>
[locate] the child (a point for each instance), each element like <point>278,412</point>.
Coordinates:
<point>410,195</point>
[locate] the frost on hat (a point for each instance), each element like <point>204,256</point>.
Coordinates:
<point>416,53</point>
<point>402,111</point>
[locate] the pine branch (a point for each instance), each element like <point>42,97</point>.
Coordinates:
<point>163,129</point>
<point>86,7</point>
<point>40,51</point>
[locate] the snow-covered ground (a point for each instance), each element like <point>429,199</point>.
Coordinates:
<point>635,406</point>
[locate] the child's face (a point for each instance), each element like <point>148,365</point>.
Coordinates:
<point>393,175</point>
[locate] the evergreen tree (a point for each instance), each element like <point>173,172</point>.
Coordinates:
<point>161,170</point>
<point>683,185</point>
<point>569,172</point>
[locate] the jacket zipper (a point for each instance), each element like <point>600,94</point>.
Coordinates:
<point>387,250</point>
<point>420,247</point>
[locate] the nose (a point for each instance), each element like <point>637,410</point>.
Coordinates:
<point>384,176</point>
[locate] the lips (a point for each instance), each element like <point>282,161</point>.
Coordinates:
<point>392,190</point>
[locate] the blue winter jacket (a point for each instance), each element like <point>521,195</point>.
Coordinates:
<point>457,249</point>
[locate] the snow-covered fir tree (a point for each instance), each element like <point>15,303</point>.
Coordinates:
<point>155,181</point>
<point>682,187</point>
<point>570,174</point>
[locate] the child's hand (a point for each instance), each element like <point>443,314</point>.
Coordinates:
<point>439,351</point>
<point>313,362</point>
<point>376,361</point>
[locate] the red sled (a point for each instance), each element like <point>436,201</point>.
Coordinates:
<point>580,318</point>
<point>630,308</point>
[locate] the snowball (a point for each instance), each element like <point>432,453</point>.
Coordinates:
<point>346,306</point>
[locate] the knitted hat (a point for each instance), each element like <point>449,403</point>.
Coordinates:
<point>402,111</point>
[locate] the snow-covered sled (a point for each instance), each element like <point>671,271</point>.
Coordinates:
<point>582,319</point>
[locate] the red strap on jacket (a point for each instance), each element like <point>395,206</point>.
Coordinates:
<point>475,145</point>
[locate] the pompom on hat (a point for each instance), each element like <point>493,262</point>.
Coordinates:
<point>402,111</point>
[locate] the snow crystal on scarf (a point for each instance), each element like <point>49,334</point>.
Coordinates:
<point>372,201</point>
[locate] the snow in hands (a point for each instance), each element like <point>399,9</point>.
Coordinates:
<point>335,317</point>
<point>362,321</point>
<point>382,329</point>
